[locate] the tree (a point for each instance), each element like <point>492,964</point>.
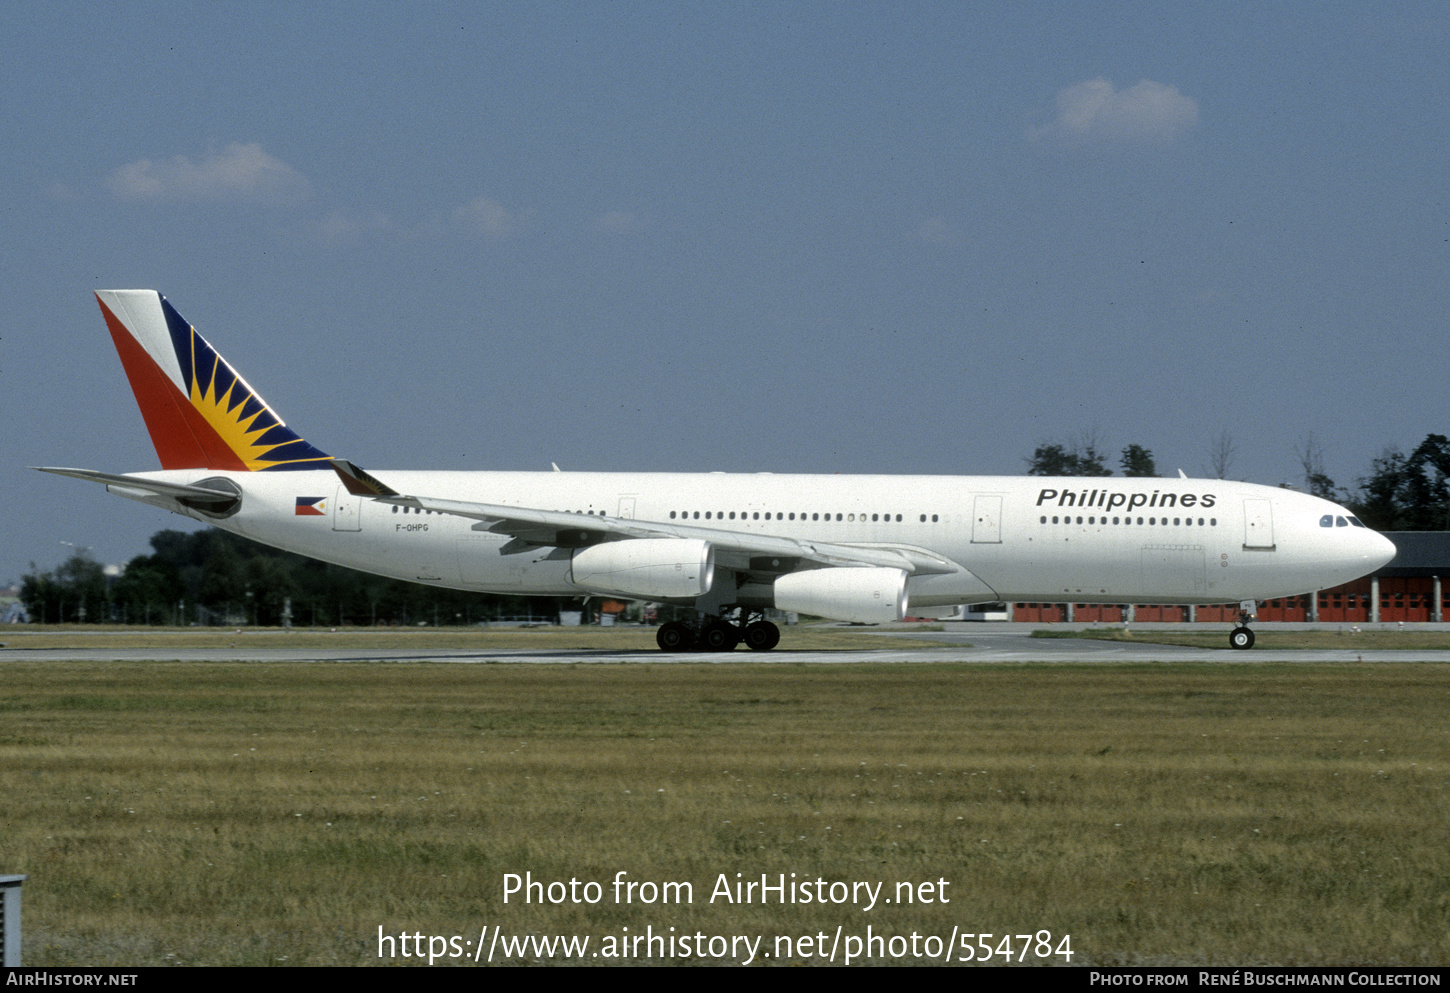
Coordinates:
<point>1137,461</point>
<point>74,591</point>
<point>1081,458</point>
<point>1311,461</point>
<point>1378,502</point>
<point>43,598</point>
<point>147,591</point>
<point>1090,462</point>
<point>1052,460</point>
<point>1221,453</point>
<point>1425,485</point>
<point>1407,492</point>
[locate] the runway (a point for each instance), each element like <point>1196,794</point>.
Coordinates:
<point>977,644</point>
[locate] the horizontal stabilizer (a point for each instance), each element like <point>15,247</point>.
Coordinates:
<point>176,491</point>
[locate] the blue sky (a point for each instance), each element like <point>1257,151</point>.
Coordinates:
<point>910,238</point>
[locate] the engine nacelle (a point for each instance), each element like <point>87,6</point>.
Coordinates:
<point>646,568</point>
<point>864,595</point>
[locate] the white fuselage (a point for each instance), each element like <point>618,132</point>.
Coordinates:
<point>1078,539</point>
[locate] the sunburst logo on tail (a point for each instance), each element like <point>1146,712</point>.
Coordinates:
<point>200,412</point>
<point>241,419</point>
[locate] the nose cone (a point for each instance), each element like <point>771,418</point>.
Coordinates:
<point>1379,550</point>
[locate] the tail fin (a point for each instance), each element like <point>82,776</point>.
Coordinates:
<point>200,413</point>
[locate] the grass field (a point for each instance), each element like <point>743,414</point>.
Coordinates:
<point>218,813</point>
<point>803,637</point>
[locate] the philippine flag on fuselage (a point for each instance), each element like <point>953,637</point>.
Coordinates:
<point>311,507</point>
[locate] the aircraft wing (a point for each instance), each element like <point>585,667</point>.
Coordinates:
<point>734,549</point>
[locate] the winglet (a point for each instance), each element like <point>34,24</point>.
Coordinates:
<point>360,482</point>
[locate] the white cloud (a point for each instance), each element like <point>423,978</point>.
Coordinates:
<point>348,227</point>
<point>1095,111</point>
<point>241,170</point>
<point>487,217</point>
<point>481,216</point>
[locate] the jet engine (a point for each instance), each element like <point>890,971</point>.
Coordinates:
<point>864,595</point>
<point>646,568</point>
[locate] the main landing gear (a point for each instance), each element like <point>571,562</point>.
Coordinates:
<point>1242,637</point>
<point>716,634</point>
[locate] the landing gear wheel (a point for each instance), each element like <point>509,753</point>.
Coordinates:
<point>1241,637</point>
<point>674,637</point>
<point>719,636</point>
<point>762,636</point>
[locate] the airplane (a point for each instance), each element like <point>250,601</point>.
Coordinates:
<point>858,548</point>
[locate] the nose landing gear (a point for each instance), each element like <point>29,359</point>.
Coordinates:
<point>1242,637</point>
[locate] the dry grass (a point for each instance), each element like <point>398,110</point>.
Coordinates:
<point>280,813</point>
<point>545,638</point>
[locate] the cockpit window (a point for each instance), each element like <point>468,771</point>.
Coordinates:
<point>1340,522</point>
<point>1356,522</point>
<point>1327,521</point>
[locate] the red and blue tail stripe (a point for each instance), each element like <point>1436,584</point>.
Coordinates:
<point>201,414</point>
